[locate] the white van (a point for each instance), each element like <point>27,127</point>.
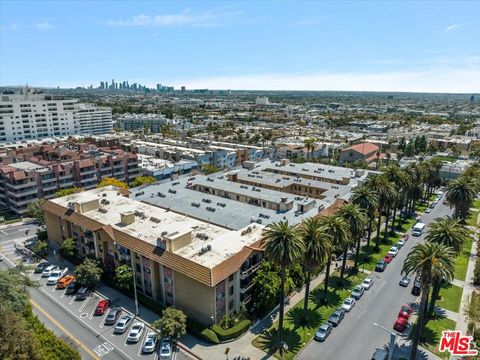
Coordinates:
<point>418,229</point>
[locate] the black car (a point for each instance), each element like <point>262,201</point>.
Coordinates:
<point>72,288</point>
<point>337,317</point>
<point>82,293</point>
<point>113,316</point>
<point>381,266</point>
<point>40,267</point>
<point>416,287</point>
<point>380,354</point>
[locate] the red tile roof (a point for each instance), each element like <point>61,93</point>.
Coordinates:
<point>364,148</point>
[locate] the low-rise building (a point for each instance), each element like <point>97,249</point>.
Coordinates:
<point>366,152</point>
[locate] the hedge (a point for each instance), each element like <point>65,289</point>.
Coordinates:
<point>202,332</point>
<point>232,333</point>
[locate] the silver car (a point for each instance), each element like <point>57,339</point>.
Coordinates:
<point>123,324</point>
<point>150,342</point>
<point>165,349</point>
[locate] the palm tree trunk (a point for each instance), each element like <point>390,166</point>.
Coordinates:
<point>377,240</point>
<point>357,250</point>
<point>385,231</point>
<point>433,299</point>
<point>307,291</point>
<point>344,262</point>
<point>392,226</point>
<point>282,306</point>
<point>419,327</point>
<point>327,277</point>
<point>369,236</point>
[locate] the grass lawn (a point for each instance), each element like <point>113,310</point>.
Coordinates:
<point>472,218</point>
<point>432,333</point>
<point>446,158</point>
<point>476,204</point>
<point>298,334</point>
<point>461,262</point>
<point>451,297</point>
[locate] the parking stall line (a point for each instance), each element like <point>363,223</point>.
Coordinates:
<point>85,302</point>
<point>141,341</point>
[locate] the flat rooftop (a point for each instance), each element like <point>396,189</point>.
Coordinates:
<point>152,222</point>
<point>29,166</point>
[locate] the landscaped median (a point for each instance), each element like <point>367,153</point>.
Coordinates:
<point>450,298</point>
<point>298,334</point>
<point>216,333</point>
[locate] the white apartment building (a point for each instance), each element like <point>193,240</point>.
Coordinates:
<point>35,116</point>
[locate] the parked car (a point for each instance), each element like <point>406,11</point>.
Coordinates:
<point>416,289</point>
<point>405,237</point>
<point>47,271</point>
<point>72,288</point>
<point>367,283</point>
<point>150,343</point>
<point>123,324</point>
<point>113,316</point>
<point>41,266</point>
<point>323,331</point>
<point>404,281</point>
<point>432,205</point>
<point>82,293</point>
<point>349,303</point>
<point>56,275</point>
<point>380,354</point>
<point>357,292</point>
<point>427,210</point>
<point>136,332</point>
<point>400,324</point>
<point>388,258</point>
<point>405,311</point>
<point>400,243</point>
<point>102,307</point>
<point>337,317</point>
<point>165,349</point>
<point>65,281</point>
<point>380,266</point>
<point>393,251</point>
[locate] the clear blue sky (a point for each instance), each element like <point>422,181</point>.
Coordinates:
<point>341,45</point>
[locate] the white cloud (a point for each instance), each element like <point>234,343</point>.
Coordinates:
<point>439,80</point>
<point>44,25</point>
<point>451,28</point>
<point>183,18</point>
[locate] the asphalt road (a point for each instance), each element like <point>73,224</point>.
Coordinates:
<point>356,337</point>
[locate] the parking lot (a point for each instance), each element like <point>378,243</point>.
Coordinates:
<point>84,312</point>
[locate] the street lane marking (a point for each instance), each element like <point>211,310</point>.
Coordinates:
<point>85,302</point>
<point>57,324</point>
<point>103,349</point>
<point>3,232</point>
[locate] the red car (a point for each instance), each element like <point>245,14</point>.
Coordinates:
<point>102,307</point>
<point>388,258</point>
<point>405,311</point>
<point>400,324</point>
<point>405,237</point>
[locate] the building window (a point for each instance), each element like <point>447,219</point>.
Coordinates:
<point>230,278</point>
<point>230,292</point>
<point>231,304</point>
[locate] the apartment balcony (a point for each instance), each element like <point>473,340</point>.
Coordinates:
<point>21,186</point>
<point>25,192</point>
<point>133,169</point>
<point>88,172</point>
<point>249,271</point>
<point>66,184</point>
<point>243,290</point>
<point>246,299</point>
<point>22,203</point>
<point>51,186</point>
<point>64,177</point>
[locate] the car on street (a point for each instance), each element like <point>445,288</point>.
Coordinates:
<point>337,317</point>
<point>380,354</point>
<point>56,275</point>
<point>102,307</point>
<point>405,237</point>
<point>405,311</point>
<point>112,316</point>
<point>82,293</point>
<point>400,324</point>
<point>47,271</point>
<point>357,292</point>
<point>323,331</point>
<point>72,288</point>
<point>432,205</point>
<point>348,304</point>
<point>65,281</point>
<point>380,266</point>
<point>427,210</point>
<point>388,258</point>
<point>41,266</point>
<point>416,287</point>
<point>393,251</point>
<point>150,342</point>
<point>367,283</point>
<point>123,324</point>
<point>404,281</point>
<point>136,332</point>
<point>165,349</point>
<point>400,244</point>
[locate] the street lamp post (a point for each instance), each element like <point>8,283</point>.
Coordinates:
<point>393,337</point>
<point>134,286</point>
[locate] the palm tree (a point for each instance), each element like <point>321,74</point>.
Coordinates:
<point>310,145</point>
<point>449,232</point>
<point>461,193</point>
<point>337,228</point>
<point>368,201</point>
<point>284,247</point>
<point>401,181</point>
<point>356,220</point>
<point>318,248</point>
<point>430,261</point>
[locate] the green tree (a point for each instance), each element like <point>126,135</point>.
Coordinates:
<point>429,261</point>
<point>208,169</point>
<point>409,150</point>
<point>142,180</point>
<point>461,193</point>
<point>310,145</point>
<point>124,277</point>
<point>65,192</point>
<point>40,248</point>
<point>88,273</point>
<point>356,220</point>
<point>400,181</point>
<point>35,211</point>
<point>110,181</point>
<point>368,201</point>
<point>283,247</point>
<point>68,248</point>
<point>317,251</point>
<point>172,324</point>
